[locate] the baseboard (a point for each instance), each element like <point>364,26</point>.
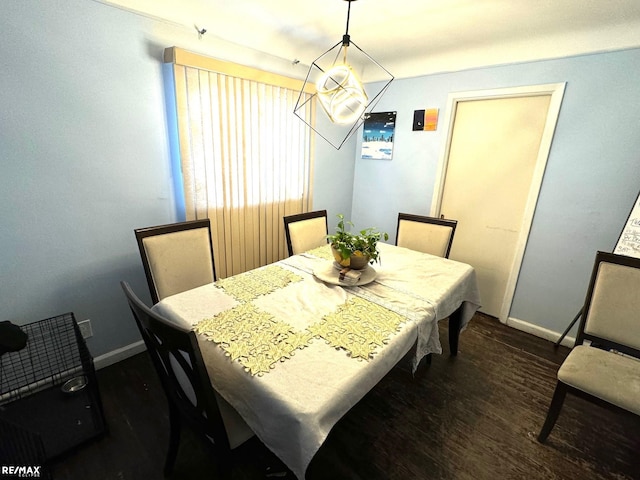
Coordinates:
<point>539,331</point>
<point>119,354</point>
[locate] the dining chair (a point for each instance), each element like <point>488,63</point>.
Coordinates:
<point>178,362</point>
<point>176,257</point>
<point>604,365</point>
<point>305,231</point>
<point>425,234</point>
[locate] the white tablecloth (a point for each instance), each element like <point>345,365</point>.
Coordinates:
<point>294,406</point>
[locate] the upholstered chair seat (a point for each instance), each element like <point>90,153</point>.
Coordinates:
<point>609,376</point>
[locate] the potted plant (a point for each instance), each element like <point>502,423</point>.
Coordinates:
<point>355,250</point>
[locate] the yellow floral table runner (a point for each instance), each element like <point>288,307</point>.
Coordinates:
<point>252,284</point>
<point>322,252</point>
<point>259,341</point>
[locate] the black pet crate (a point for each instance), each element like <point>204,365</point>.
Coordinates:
<point>49,397</point>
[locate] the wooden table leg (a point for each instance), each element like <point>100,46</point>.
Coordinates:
<point>454,330</point>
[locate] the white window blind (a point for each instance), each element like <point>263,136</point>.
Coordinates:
<point>245,157</point>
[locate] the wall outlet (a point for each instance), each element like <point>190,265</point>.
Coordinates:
<point>85,328</point>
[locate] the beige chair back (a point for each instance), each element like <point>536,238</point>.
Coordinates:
<point>176,257</point>
<point>614,310</point>
<point>425,234</point>
<point>306,231</point>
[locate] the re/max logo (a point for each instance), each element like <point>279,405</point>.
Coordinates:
<point>21,471</point>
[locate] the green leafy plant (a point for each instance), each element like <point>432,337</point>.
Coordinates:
<point>363,243</point>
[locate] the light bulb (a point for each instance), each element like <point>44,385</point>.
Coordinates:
<point>341,95</point>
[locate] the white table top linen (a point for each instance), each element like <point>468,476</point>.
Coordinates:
<point>293,407</point>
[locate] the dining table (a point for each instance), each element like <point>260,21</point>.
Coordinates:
<point>292,347</point>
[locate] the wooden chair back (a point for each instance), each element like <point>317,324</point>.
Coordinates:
<point>425,234</point>
<point>305,231</point>
<point>176,356</point>
<point>176,257</point>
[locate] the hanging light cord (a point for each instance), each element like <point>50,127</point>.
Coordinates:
<point>345,38</point>
<point>348,15</point>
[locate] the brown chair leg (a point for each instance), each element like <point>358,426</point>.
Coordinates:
<point>174,439</point>
<point>554,410</point>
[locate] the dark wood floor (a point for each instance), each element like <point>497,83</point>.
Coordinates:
<point>475,416</point>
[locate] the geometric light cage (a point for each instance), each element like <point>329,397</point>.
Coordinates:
<point>364,67</point>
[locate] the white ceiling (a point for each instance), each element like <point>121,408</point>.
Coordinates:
<point>410,37</point>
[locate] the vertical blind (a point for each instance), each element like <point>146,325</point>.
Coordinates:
<point>245,157</point>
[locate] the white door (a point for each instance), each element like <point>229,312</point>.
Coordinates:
<point>490,176</point>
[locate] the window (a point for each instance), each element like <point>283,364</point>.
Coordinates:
<point>245,157</point>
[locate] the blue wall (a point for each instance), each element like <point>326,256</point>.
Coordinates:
<point>591,180</point>
<point>85,158</point>
<point>84,162</point>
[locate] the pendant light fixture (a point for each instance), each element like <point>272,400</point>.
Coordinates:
<point>338,79</point>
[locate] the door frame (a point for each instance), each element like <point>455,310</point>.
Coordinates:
<point>556,91</point>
